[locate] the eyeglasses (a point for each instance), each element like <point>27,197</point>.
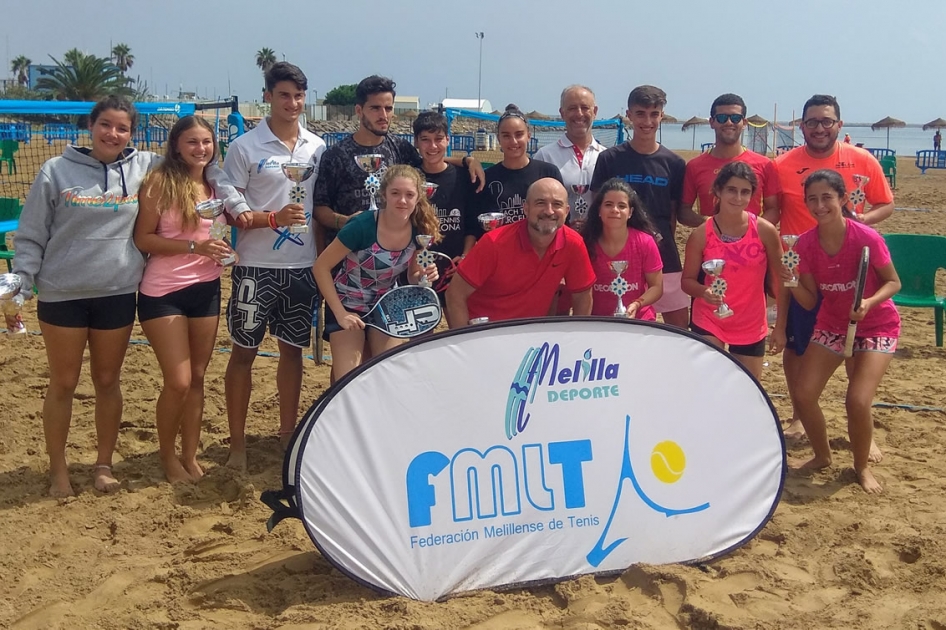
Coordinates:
<point>827,123</point>
<point>733,118</point>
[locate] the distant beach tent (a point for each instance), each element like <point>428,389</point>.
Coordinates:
<point>693,123</point>
<point>887,123</point>
<point>939,123</point>
<point>758,134</point>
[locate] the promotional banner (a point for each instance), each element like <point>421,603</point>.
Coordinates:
<point>535,450</point>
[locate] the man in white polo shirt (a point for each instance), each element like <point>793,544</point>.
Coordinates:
<point>576,152</point>
<point>273,284</point>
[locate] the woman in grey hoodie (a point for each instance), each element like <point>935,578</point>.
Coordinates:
<point>74,243</point>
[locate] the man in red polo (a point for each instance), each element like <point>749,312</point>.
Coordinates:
<point>515,270</point>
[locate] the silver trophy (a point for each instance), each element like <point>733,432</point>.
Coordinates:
<point>479,320</point>
<point>790,258</point>
<point>858,196</point>
<point>714,269</point>
<point>619,286</point>
<point>211,209</point>
<point>425,257</point>
<point>11,300</point>
<point>298,172</point>
<point>371,163</point>
<point>490,220</point>
<point>581,204</point>
<point>430,189</point>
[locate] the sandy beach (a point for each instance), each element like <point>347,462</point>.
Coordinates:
<point>195,556</point>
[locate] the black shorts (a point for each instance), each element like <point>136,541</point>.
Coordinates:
<point>282,299</point>
<point>331,323</point>
<point>201,299</point>
<point>756,349</point>
<point>102,313</point>
<point>800,325</point>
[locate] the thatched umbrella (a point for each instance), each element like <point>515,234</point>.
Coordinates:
<point>534,115</point>
<point>667,118</point>
<point>939,123</point>
<point>887,123</point>
<point>694,123</point>
<point>757,121</point>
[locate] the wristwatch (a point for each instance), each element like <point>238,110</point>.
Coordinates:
<point>190,245</point>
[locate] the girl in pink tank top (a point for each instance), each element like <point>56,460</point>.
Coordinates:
<point>179,297</point>
<point>748,246</point>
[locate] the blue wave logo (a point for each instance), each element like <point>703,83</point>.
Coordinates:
<point>589,377</point>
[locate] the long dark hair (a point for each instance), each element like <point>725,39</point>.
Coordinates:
<point>639,219</point>
<point>834,180</point>
<point>733,169</point>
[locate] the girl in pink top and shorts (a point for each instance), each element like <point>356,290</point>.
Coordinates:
<point>179,294</point>
<point>829,259</point>
<point>748,245</point>
<point>618,229</point>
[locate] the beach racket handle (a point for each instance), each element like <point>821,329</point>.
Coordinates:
<point>858,295</point>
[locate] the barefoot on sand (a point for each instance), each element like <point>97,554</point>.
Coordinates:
<point>808,464</point>
<point>59,486</point>
<point>193,469</point>
<point>795,430</point>
<point>875,454</point>
<point>868,482</point>
<point>174,471</point>
<point>102,479</point>
<point>237,460</point>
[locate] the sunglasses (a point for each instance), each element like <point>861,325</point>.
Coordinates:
<point>733,118</point>
<point>827,123</point>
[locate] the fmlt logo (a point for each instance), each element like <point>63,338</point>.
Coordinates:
<point>540,369</point>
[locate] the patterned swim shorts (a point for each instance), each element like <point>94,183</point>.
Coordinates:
<point>835,342</point>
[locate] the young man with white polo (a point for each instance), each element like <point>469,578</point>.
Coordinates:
<point>273,286</point>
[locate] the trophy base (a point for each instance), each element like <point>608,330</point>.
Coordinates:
<point>790,284</point>
<point>622,314</point>
<point>723,314</point>
<point>298,229</point>
<point>228,261</point>
<point>479,320</point>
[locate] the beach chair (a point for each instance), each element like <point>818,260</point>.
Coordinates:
<point>889,164</point>
<point>7,149</point>
<point>10,209</point>
<point>917,258</point>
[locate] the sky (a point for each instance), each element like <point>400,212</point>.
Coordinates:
<point>878,62</point>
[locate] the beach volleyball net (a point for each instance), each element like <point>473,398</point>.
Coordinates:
<point>471,130</point>
<point>32,132</point>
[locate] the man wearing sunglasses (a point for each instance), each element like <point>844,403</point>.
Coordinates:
<point>821,124</point>
<point>728,120</point>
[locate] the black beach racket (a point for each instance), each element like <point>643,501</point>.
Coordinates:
<point>858,295</point>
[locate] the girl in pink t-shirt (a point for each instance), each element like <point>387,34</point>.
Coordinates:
<point>829,258</point>
<point>179,296</point>
<point>749,245</point>
<point>618,229</point>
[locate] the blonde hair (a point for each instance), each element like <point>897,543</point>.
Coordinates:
<point>424,219</point>
<point>170,181</point>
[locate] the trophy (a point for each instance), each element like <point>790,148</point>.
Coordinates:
<point>479,320</point>
<point>619,286</point>
<point>425,257</point>
<point>211,209</point>
<point>11,300</point>
<point>490,220</point>
<point>790,258</point>
<point>581,205</point>
<point>858,196</point>
<point>371,163</point>
<point>298,172</point>
<point>430,189</point>
<point>714,269</point>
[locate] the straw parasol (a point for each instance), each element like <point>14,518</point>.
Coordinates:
<point>757,121</point>
<point>694,122</point>
<point>887,123</point>
<point>667,118</point>
<point>534,115</point>
<point>939,123</point>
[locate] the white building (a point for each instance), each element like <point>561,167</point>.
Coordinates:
<point>464,103</point>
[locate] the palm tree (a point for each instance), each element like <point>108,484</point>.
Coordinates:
<point>81,77</point>
<point>265,59</point>
<point>20,67</point>
<point>121,54</point>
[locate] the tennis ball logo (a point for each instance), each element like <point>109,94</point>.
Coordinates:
<point>668,461</point>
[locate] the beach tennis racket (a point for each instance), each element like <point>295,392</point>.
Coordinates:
<point>405,312</point>
<point>858,295</point>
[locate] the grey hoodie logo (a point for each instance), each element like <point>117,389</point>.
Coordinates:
<point>108,200</point>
